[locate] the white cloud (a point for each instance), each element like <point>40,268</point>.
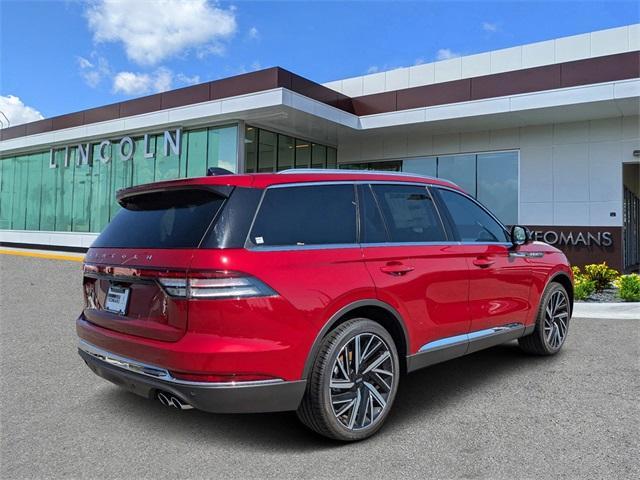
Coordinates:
<point>254,34</point>
<point>131,83</point>
<point>373,69</point>
<point>419,61</point>
<point>151,31</point>
<point>16,112</point>
<point>93,71</point>
<point>161,80</point>
<point>446,53</point>
<point>213,49</point>
<point>186,80</point>
<point>255,65</point>
<point>489,27</point>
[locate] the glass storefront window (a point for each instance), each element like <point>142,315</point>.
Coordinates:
<point>498,184</point>
<point>196,145</point>
<point>82,197</point>
<point>303,154</point>
<point>460,169</point>
<point>267,151</point>
<point>223,149</point>
<point>251,150</point>
<point>422,166</point>
<point>492,177</point>
<point>286,152</point>
<point>332,157</point>
<point>318,156</point>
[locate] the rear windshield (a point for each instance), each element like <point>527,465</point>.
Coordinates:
<point>170,219</point>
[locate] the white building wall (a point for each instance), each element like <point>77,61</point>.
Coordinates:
<point>566,49</point>
<point>570,173</point>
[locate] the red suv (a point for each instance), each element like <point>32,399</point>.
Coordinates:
<point>309,290</point>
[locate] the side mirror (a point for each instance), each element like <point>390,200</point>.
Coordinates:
<point>520,235</point>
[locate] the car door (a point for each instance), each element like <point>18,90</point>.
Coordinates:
<point>499,278</point>
<point>410,259</point>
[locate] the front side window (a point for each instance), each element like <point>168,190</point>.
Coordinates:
<point>306,215</point>
<point>471,221</point>
<point>409,213</point>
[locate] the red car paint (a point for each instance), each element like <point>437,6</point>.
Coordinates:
<point>438,291</point>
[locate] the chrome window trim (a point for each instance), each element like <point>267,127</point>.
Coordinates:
<point>410,244</point>
<point>249,245</point>
<point>282,248</point>
<point>158,373</point>
<point>420,184</point>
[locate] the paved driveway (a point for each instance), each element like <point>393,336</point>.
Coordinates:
<point>495,414</point>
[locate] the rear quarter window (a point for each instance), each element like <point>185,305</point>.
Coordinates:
<point>168,219</point>
<point>306,215</point>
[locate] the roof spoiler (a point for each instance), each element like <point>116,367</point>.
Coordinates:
<point>217,171</point>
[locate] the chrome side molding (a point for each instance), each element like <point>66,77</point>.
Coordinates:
<point>458,345</point>
<point>467,337</point>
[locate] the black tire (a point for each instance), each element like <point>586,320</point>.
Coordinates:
<point>317,408</point>
<point>538,342</point>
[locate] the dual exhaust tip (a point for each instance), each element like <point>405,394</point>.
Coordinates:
<point>170,400</point>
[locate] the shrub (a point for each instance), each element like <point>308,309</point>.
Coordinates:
<point>630,287</point>
<point>583,287</point>
<point>600,274</point>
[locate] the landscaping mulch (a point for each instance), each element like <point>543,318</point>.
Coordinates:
<point>608,295</point>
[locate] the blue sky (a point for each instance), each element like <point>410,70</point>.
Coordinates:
<point>62,56</point>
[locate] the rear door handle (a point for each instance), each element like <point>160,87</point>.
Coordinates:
<point>483,262</point>
<point>396,269</point>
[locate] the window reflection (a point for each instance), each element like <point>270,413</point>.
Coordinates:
<point>491,177</point>
<point>267,151</point>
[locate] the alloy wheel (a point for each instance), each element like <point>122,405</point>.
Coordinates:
<point>362,379</point>
<point>556,318</point>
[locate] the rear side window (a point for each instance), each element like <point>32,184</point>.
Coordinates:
<point>409,213</point>
<point>306,215</point>
<point>473,223</point>
<point>169,219</point>
<point>372,229</point>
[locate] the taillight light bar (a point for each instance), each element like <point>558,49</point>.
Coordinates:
<point>180,284</point>
<point>216,285</point>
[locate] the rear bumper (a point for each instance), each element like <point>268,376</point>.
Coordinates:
<point>229,397</point>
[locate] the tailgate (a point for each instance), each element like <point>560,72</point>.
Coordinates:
<point>122,292</point>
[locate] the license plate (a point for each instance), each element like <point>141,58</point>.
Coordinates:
<point>117,300</point>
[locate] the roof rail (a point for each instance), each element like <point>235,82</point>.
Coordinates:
<point>359,172</point>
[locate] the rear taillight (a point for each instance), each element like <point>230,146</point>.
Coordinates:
<point>216,285</point>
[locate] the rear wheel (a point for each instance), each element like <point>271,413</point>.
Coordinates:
<point>353,382</point>
<point>552,323</point>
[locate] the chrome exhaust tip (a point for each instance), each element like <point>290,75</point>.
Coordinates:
<point>168,400</point>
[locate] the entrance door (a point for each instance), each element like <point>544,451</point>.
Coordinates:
<point>631,216</point>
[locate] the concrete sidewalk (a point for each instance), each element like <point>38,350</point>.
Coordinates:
<point>625,311</point>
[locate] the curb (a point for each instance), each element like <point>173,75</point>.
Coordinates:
<point>616,311</point>
<point>72,257</point>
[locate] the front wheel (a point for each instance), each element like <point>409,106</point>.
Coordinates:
<point>552,323</point>
<point>353,382</point>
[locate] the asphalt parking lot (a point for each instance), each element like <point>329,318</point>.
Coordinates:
<point>495,414</point>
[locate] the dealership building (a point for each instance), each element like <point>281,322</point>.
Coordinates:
<point>545,134</point>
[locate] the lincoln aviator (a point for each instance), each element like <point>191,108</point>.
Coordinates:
<point>311,291</point>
